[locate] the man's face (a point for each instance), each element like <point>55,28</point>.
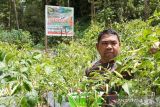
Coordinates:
<point>108,47</point>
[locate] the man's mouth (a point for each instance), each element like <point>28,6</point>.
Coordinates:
<point>108,52</point>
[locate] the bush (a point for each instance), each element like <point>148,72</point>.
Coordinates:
<point>17,37</point>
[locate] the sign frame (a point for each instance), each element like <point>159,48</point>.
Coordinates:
<point>59,21</point>
<point>64,28</point>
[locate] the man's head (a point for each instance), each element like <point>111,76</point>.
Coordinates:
<point>108,45</point>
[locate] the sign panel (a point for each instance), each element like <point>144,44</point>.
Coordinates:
<point>59,21</point>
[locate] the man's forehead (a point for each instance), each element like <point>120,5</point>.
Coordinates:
<point>109,37</point>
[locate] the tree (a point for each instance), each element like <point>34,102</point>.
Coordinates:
<point>16,14</point>
<point>4,13</point>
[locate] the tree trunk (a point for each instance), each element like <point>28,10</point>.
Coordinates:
<point>92,9</point>
<point>146,9</point>
<point>10,9</point>
<point>68,3</point>
<point>16,14</point>
<point>104,6</point>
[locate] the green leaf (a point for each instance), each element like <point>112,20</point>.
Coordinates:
<point>147,32</point>
<point>16,89</point>
<point>48,70</point>
<point>2,55</point>
<point>9,78</point>
<point>32,98</point>
<point>118,74</point>
<point>38,56</point>
<point>26,85</point>
<point>60,98</point>
<point>24,102</point>
<point>8,57</point>
<point>126,88</point>
<point>2,65</point>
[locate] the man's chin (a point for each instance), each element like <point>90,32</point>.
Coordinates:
<point>109,58</point>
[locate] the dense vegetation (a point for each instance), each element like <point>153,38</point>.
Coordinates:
<point>29,14</point>
<point>27,72</point>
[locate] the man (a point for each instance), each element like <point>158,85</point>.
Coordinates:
<point>108,46</point>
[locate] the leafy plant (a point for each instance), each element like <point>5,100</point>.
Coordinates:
<point>17,37</point>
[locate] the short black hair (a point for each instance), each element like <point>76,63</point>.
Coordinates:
<point>107,31</point>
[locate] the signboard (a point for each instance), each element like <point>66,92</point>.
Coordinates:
<point>59,21</point>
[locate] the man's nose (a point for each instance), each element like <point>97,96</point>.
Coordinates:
<point>109,46</point>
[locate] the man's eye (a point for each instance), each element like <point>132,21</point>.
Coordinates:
<point>114,43</point>
<point>104,43</point>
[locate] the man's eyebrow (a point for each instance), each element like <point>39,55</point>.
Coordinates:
<point>109,41</point>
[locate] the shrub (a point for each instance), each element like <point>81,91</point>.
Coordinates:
<point>17,37</point>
